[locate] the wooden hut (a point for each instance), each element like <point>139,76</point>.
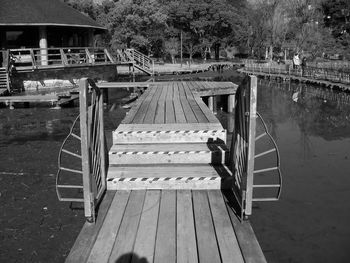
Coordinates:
<point>48,40</point>
<point>43,24</point>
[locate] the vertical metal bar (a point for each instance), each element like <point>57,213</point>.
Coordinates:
<point>230,103</point>
<point>211,103</point>
<point>89,207</point>
<point>251,144</point>
<point>102,141</point>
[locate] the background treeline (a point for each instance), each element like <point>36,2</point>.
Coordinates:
<point>225,28</point>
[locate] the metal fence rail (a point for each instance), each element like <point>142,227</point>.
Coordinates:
<point>243,153</point>
<point>36,58</point>
<point>92,151</point>
<point>332,75</point>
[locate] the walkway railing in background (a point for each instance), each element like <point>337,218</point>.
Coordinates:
<point>92,151</point>
<point>137,59</point>
<point>315,73</point>
<point>36,58</point>
<point>6,64</point>
<point>242,154</point>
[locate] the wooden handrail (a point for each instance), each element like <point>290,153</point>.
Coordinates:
<point>243,143</point>
<point>93,149</point>
<point>63,57</point>
<point>306,71</point>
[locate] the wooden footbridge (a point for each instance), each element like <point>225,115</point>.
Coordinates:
<point>327,77</point>
<point>173,192</point>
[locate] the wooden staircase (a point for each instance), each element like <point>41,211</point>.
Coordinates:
<point>181,160</point>
<point>137,59</point>
<point>4,80</point>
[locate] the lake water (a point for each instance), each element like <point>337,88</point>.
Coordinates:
<point>309,223</point>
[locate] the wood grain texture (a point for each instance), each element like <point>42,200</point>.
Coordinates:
<point>186,234</point>
<point>165,250</point>
<point>108,232</point>
<point>206,240</point>
<point>87,236</point>
<point>124,242</point>
<point>146,235</point>
<point>226,238</point>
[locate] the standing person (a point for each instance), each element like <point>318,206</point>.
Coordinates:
<point>296,61</point>
<point>303,66</point>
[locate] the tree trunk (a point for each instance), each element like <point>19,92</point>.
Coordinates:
<point>271,53</point>
<point>217,51</point>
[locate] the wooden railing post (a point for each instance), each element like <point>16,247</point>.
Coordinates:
<point>251,143</point>
<point>102,140</point>
<point>63,57</point>
<point>89,204</point>
<point>33,58</point>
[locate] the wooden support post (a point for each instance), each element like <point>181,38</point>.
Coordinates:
<point>230,103</point>
<point>211,103</point>
<point>251,144</point>
<point>43,45</point>
<point>215,107</point>
<point>89,206</point>
<point>105,96</point>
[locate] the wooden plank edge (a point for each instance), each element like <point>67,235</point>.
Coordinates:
<point>250,247</point>
<point>88,234</point>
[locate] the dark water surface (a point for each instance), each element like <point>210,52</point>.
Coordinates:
<point>311,221</point>
<point>309,224</point>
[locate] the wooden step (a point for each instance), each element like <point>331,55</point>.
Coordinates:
<point>165,133</point>
<point>168,176</point>
<point>168,153</point>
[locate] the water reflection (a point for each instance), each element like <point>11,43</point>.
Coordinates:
<point>316,111</point>
<point>312,129</point>
<point>35,124</point>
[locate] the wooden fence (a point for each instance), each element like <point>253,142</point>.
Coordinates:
<point>243,142</point>
<point>243,154</point>
<point>315,73</point>
<point>36,58</point>
<point>93,153</point>
<point>93,146</point>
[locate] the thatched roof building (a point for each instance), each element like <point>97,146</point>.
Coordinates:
<point>31,23</point>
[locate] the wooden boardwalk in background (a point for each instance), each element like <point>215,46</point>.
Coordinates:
<point>169,196</point>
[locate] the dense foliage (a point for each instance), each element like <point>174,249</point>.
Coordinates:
<point>256,28</point>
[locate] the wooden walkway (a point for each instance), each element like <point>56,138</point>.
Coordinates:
<point>303,79</point>
<point>169,196</point>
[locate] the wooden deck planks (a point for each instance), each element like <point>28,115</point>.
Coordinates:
<point>200,116</point>
<point>87,236</point>
<point>186,234</point>
<point>160,114</point>
<point>108,232</point>
<point>179,111</point>
<point>123,245</point>
<point>167,226</point>
<point>190,116</point>
<point>141,112</point>
<point>210,116</point>
<point>165,250</point>
<point>246,238</point>
<point>226,238</point>
<point>133,111</point>
<point>169,106</point>
<point>206,240</point>
<point>172,102</point>
<point>151,112</point>
<point>146,236</point>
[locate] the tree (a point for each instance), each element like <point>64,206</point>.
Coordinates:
<point>337,19</point>
<point>135,24</point>
<point>208,24</point>
<point>172,47</point>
